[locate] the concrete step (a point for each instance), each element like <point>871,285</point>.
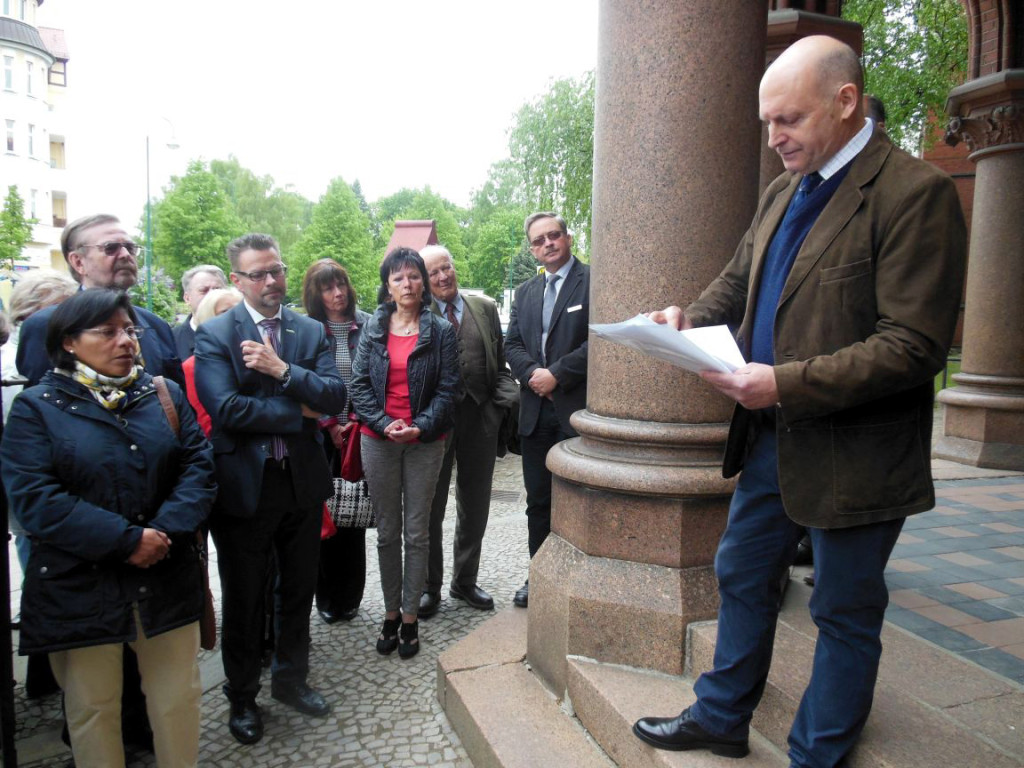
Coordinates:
<point>502,712</point>
<point>931,707</point>
<point>608,699</point>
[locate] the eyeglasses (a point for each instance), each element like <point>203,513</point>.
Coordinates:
<point>261,274</point>
<point>109,334</point>
<point>114,247</point>
<point>554,237</point>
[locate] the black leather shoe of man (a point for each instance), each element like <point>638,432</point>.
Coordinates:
<point>246,721</point>
<point>522,598</point>
<point>429,603</point>
<point>473,595</point>
<point>301,698</point>
<point>682,733</point>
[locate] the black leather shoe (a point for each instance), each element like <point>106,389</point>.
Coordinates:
<point>301,698</point>
<point>682,733</point>
<point>348,614</point>
<point>387,640</point>
<point>429,603</point>
<point>522,598</point>
<point>804,552</point>
<point>329,616</point>
<point>409,639</point>
<point>473,595</point>
<point>246,721</point>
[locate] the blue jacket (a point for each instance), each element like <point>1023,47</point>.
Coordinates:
<point>433,374</point>
<point>248,407</point>
<point>84,482</point>
<point>159,349</point>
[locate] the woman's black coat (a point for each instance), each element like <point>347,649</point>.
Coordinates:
<point>84,481</point>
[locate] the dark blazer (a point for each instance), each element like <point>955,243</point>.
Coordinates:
<point>864,323</point>
<point>566,346</point>
<point>433,374</point>
<point>84,482</point>
<point>157,343</point>
<point>184,339</point>
<point>247,408</point>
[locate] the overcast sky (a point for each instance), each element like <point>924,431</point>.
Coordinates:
<point>395,93</point>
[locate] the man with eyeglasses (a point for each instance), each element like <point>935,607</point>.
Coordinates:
<point>546,347</point>
<point>265,374</point>
<point>195,284</point>
<point>100,254</point>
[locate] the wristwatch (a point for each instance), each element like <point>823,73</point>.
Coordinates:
<point>285,377</point>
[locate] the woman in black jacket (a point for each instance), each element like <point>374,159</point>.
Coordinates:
<point>404,384</point>
<point>328,296</point>
<point>111,497</point>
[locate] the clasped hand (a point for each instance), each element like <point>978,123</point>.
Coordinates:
<point>153,547</point>
<point>400,432</point>
<point>261,357</point>
<point>542,382</point>
<point>752,386</point>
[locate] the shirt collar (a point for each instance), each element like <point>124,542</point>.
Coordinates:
<point>256,316</point>
<point>852,148</point>
<point>458,303</point>
<point>563,271</point>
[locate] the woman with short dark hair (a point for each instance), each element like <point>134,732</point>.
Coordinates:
<point>404,384</point>
<point>111,496</point>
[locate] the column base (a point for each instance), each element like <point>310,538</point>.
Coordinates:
<point>984,425</point>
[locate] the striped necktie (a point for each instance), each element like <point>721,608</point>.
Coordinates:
<point>269,328</point>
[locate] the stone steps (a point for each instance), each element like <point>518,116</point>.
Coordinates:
<point>931,708</point>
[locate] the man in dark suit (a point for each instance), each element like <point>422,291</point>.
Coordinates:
<point>100,254</point>
<point>486,390</point>
<point>265,374</point>
<point>196,282</point>
<point>845,292</point>
<point>546,347</point>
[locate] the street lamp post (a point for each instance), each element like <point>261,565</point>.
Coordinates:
<point>172,144</point>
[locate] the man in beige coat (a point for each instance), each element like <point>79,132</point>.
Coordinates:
<point>844,296</point>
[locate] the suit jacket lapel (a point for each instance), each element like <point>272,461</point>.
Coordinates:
<point>288,337</point>
<point>572,280</point>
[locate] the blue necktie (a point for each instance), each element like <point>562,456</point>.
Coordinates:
<point>808,184</point>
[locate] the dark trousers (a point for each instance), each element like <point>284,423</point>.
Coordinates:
<point>536,475</point>
<point>342,576</point>
<point>848,607</point>
<point>472,446</point>
<point>244,548</point>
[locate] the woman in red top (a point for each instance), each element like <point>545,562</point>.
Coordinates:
<point>216,302</point>
<point>404,383</point>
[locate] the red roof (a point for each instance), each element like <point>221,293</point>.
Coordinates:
<point>413,234</point>
<point>54,41</point>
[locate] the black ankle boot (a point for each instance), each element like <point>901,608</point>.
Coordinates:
<point>387,641</point>
<point>409,639</point>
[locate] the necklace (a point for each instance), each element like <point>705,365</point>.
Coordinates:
<point>404,329</point>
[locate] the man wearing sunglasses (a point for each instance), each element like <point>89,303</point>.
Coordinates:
<point>100,254</point>
<point>546,347</point>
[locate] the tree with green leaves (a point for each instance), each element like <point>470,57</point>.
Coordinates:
<point>500,258</point>
<point>165,294</point>
<point>551,148</point>
<point>193,223</point>
<point>338,230</point>
<point>915,52</point>
<point>15,228</point>
<point>262,206</point>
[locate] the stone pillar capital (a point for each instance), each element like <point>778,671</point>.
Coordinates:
<point>987,113</point>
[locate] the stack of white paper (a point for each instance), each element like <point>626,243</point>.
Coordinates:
<point>698,349</point>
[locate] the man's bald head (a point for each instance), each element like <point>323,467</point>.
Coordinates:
<point>810,98</point>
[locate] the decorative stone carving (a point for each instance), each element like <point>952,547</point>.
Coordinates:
<point>1004,125</point>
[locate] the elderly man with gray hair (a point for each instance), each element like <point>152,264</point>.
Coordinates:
<point>195,284</point>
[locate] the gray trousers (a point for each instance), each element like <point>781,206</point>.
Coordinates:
<point>472,447</point>
<point>401,478</point>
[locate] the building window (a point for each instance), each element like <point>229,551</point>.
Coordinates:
<point>31,141</point>
<point>58,74</point>
<point>28,80</point>
<point>7,7</point>
<point>24,6</point>
<point>9,73</point>
<point>10,135</point>
<point>32,203</point>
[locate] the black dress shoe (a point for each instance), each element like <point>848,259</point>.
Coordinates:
<point>429,603</point>
<point>682,733</point>
<point>329,616</point>
<point>301,698</point>
<point>804,552</point>
<point>522,598</point>
<point>246,721</point>
<point>473,595</point>
<point>348,614</point>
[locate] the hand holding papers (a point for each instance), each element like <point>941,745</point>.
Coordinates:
<point>697,349</point>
